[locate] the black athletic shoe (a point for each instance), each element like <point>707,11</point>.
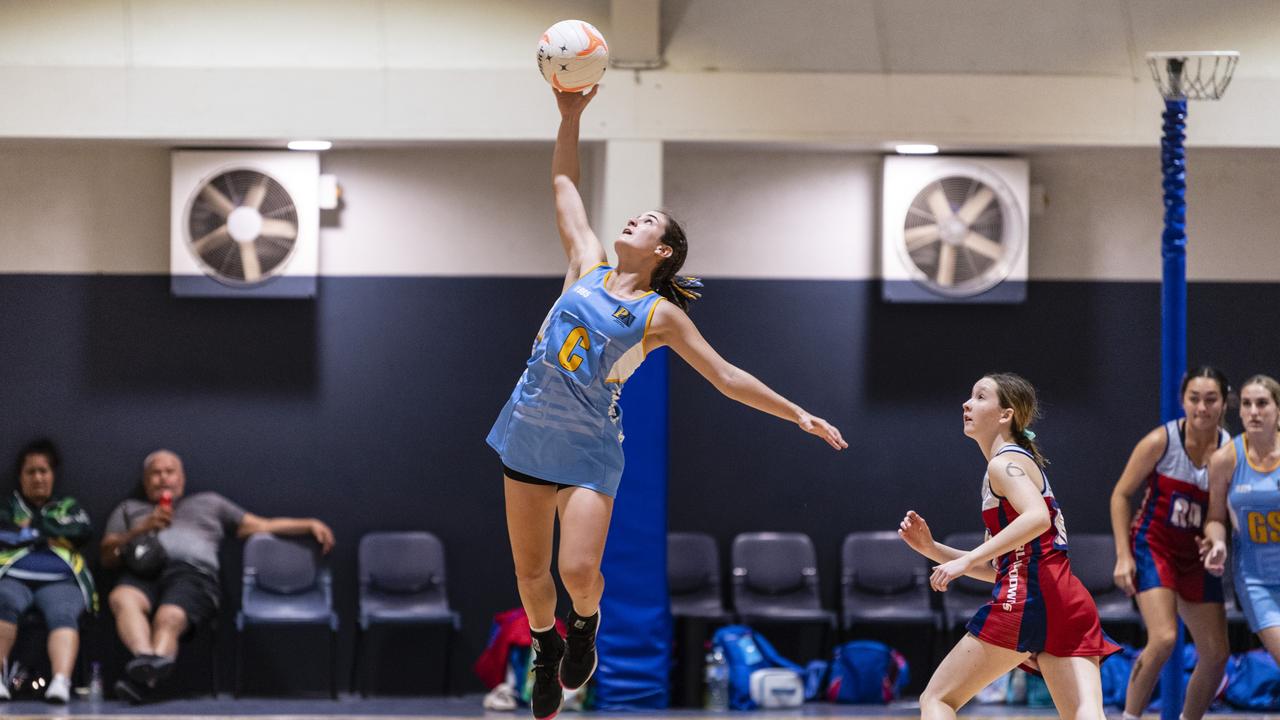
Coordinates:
<point>129,692</point>
<point>147,670</point>
<point>547,697</point>
<point>579,661</point>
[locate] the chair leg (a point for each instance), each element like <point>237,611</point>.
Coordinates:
<point>357,680</point>
<point>213,660</point>
<point>448,660</point>
<point>239,662</point>
<point>333,664</point>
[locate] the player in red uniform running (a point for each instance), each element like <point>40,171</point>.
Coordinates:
<point>1039,612</point>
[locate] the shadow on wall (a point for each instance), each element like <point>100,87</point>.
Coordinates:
<point>231,345</point>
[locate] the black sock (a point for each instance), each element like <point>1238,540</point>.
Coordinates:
<point>546,641</point>
<point>579,625</point>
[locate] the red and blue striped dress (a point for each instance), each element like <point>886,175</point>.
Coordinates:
<point>1037,604</point>
<point>1169,521</point>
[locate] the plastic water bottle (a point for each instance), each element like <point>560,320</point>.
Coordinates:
<point>717,673</point>
<point>95,683</point>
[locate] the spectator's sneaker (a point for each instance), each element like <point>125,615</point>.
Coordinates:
<point>59,691</point>
<point>579,661</point>
<point>547,697</point>
<point>129,692</point>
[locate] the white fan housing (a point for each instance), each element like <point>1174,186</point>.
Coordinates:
<point>954,229</point>
<point>244,224</point>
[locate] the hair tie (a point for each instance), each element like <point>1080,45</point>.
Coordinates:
<point>1028,434</point>
<point>687,285</point>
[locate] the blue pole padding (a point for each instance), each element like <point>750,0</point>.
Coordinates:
<point>1173,313</point>
<point>635,612</point>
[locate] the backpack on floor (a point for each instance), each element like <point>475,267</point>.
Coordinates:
<point>1253,681</point>
<point>866,671</point>
<point>746,651</point>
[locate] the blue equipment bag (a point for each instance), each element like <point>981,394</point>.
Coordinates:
<point>746,651</point>
<point>866,671</point>
<point>1254,681</point>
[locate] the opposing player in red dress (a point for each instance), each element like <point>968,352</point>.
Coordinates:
<point>1039,612</point>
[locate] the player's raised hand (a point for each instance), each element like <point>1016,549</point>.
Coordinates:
<point>572,104</point>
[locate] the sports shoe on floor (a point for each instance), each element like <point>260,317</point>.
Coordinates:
<point>580,659</point>
<point>59,690</point>
<point>547,697</point>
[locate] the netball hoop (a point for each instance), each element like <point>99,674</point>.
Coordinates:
<point>1179,76</point>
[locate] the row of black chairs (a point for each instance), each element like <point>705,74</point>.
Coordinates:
<point>401,582</point>
<point>882,580</point>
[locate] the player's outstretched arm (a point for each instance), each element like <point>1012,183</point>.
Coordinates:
<point>1213,548</point>
<point>673,328</point>
<point>581,246</point>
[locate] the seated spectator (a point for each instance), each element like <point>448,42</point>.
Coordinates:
<point>155,606</point>
<point>41,565</point>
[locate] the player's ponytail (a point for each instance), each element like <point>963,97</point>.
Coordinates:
<point>666,282</point>
<point>1017,394</point>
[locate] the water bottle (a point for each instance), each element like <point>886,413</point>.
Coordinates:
<point>95,683</point>
<point>717,681</point>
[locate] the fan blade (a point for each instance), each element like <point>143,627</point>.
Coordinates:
<point>272,227</point>
<point>918,237</point>
<point>939,205</point>
<point>974,206</point>
<point>215,237</point>
<point>254,197</point>
<point>249,261</point>
<point>946,265</point>
<point>983,245</point>
<point>219,201</point>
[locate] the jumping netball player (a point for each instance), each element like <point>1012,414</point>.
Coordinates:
<point>1039,612</point>
<point>1158,549</point>
<point>1243,479</point>
<point>560,434</point>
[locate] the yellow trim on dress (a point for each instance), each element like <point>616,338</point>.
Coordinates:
<point>649,321</point>
<point>1264,471</point>
<point>592,269</point>
<point>604,283</point>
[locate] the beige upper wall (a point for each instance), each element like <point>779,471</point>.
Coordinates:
<point>484,209</point>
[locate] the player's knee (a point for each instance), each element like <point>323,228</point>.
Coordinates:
<point>1160,642</point>
<point>580,575</point>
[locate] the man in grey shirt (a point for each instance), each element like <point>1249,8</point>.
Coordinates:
<point>152,613</point>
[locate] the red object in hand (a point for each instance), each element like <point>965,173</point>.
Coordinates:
<point>166,499</point>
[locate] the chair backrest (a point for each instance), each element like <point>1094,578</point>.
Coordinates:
<point>404,563</point>
<point>693,563</point>
<point>879,563</point>
<point>781,566</point>
<point>1093,561</point>
<point>285,566</point>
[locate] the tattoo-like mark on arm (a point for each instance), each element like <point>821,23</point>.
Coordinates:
<point>1013,470</point>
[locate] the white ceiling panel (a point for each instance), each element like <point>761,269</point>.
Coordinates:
<point>74,32</point>
<point>1251,27</point>
<point>249,33</point>
<point>764,35</point>
<point>479,33</point>
<point>1068,37</point>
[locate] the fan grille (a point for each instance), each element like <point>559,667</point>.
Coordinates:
<point>229,251</point>
<point>954,234</point>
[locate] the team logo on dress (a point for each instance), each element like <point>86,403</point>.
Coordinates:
<point>623,316</point>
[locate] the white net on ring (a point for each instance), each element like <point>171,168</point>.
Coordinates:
<point>1192,75</point>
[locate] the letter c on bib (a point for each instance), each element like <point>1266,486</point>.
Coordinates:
<point>577,337</point>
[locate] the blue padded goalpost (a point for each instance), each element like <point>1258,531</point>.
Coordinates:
<point>1180,76</point>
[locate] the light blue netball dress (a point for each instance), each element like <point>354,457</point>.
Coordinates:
<point>1254,502</point>
<point>562,423</point>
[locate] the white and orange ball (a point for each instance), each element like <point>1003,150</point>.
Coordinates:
<point>572,55</point>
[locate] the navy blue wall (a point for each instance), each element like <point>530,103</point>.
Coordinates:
<point>368,407</point>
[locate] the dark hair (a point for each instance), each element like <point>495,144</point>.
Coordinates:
<point>40,446</point>
<point>1014,392</point>
<point>1206,371</point>
<point>664,281</point>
